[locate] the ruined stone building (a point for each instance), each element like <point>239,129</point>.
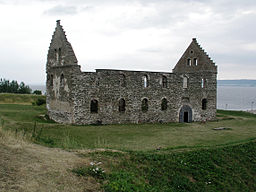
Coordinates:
<point>108,96</point>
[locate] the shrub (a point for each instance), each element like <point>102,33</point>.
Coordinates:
<point>37,92</point>
<point>39,101</point>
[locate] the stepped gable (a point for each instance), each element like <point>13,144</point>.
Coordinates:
<point>60,51</point>
<point>121,96</point>
<point>195,59</point>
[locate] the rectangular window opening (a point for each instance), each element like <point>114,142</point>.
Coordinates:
<point>189,62</point>
<point>195,61</point>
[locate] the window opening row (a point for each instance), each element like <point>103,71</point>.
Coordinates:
<point>122,105</point>
<point>122,81</point>
<point>185,82</point>
<point>189,62</point>
<point>144,105</point>
<point>145,81</point>
<point>61,80</point>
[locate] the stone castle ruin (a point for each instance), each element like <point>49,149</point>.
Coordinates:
<point>110,96</point>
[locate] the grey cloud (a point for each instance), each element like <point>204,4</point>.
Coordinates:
<point>61,10</point>
<point>244,28</point>
<point>225,29</point>
<point>240,59</point>
<point>170,12</point>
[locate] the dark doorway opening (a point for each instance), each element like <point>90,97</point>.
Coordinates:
<point>185,114</point>
<point>186,117</point>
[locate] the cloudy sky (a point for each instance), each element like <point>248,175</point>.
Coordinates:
<point>148,35</point>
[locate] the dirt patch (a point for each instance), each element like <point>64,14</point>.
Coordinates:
<point>29,167</point>
<point>191,179</point>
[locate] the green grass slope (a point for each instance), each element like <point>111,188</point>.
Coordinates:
<point>11,98</point>
<point>241,127</point>
<point>231,168</point>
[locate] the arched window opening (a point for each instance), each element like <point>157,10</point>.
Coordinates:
<point>164,81</point>
<point>189,62</point>
<point>145,81</point>
<point>164,104</point>
<point>144,105</point>
<point>59,52</point>
<point>122,80</point>
<point>94,106</point>
<point>121,105</point>
<point>204,104</point>
<point>61,80</point>
<point>51,80</point>
<point>56,54</point>
<point>195,61</point>
<point>185,82</point>
<point>59,55</point>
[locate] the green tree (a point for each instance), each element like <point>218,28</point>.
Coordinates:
<point>13,87</point>
<point>37,92</point>
<point>24,89</point>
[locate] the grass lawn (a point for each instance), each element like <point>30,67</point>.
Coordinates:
<point>141,137</point>
<point>25,99</point>
<point>173,157</point>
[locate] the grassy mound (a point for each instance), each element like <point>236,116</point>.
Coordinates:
<point>231,168</point>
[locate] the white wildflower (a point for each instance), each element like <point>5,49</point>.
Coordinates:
<point>91,163</point>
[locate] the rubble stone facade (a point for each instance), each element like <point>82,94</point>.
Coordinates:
<point>119,96</point>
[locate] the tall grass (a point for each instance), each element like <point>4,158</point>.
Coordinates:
<point>10,137</point>
<point>11,98</point>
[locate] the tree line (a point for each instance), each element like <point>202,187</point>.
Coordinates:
<point>13,86</point>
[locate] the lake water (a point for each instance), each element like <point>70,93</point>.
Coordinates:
<point>236,97</point>
<point>228,97</point>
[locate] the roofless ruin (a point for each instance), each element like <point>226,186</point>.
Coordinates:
<point>108,96</point>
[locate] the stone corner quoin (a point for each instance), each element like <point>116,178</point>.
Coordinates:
<point>108,96</point>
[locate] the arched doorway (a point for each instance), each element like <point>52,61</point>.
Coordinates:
<point>185,115</point>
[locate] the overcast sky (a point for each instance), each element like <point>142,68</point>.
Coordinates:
<point>148,35</point>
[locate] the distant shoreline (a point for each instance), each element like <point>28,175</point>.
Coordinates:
<point>235,82</point>
<point>240,83</point>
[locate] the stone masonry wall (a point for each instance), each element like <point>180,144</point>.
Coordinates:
<point>105,87</point>
<point>70,91</point>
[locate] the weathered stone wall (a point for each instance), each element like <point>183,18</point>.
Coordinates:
<point>106,88</point>
<point>61,65</point>
<point>59,94</point>
<point>70,91</point>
